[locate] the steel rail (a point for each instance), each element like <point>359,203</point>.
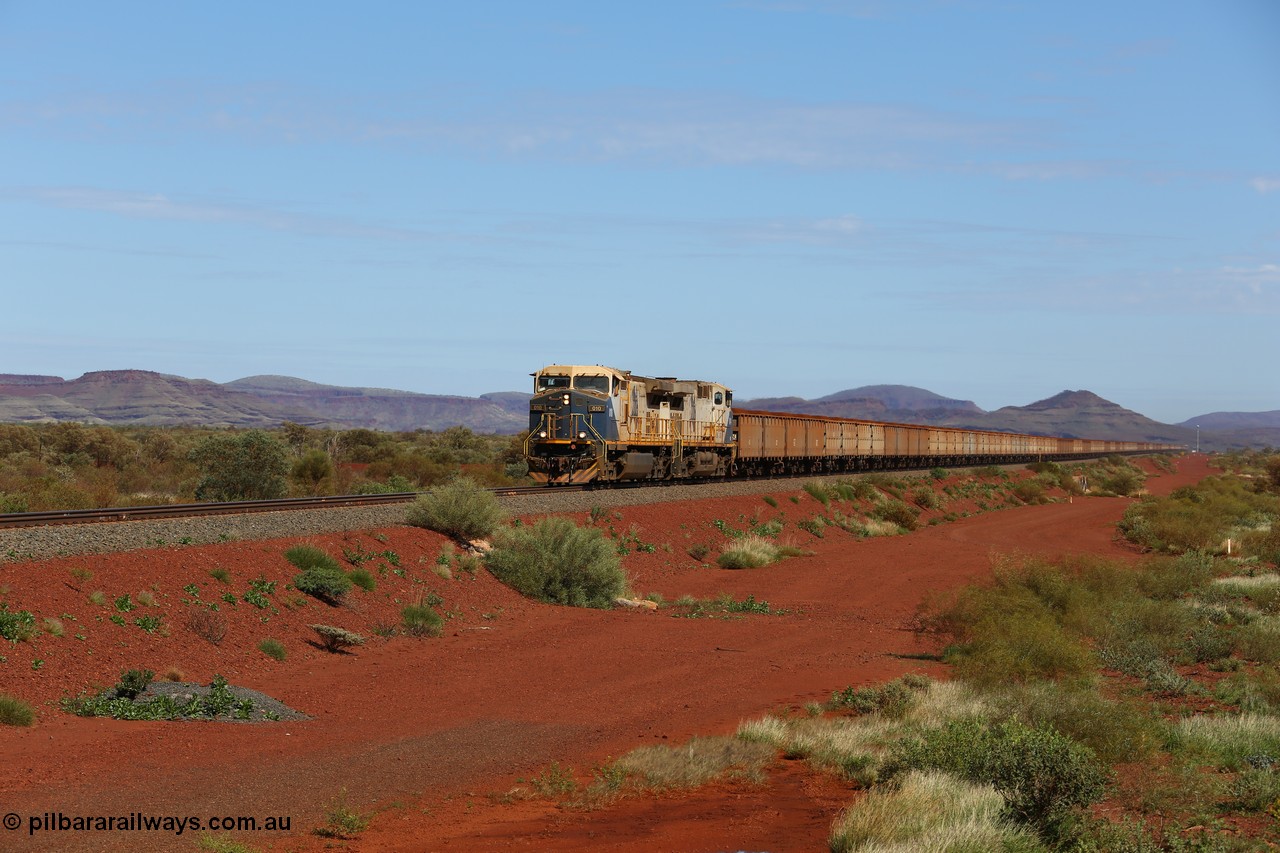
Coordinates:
<point>144,513</point>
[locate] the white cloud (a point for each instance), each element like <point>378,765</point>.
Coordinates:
<point>1265,185</point>
<point>159,206</point>
<point>620,124</point>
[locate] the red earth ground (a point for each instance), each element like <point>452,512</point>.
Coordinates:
<point>426,735</point>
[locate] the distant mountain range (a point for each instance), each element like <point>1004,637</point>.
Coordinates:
<point>144,398</point>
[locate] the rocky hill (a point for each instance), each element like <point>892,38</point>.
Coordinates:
<point>145,398</point>
<point>1072,414</point>
<point>387,409</point>
<point>901,403</point>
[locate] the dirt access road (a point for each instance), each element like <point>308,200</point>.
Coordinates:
<point>423,731</point>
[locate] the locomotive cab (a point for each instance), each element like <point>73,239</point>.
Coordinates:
<point>571,417</point>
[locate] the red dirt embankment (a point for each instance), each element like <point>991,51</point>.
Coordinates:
<point>423,730</point>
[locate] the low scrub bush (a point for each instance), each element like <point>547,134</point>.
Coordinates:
<point>1121,481</point>
<point>925,498</point>
<point>321,577</point>
<point>15,712</point>
<point>893,699</point>
<point>1200,517</point>
<point>334,640</point>
<point>1115,731</point>
<point>328,585</point>
<point>1256,789</point>
<point>132,682</point>
<point>420,620</point>
<point>273,649</point>
<point>699,551</point>
<point>858,490</point>
<point>1259,641</point>
<point>16,625</point>
<point>897,512</point>
<point>459,508</point>
<point>207,624</point>
<point>342,821</point>
<point>558,562</point>
<point>1029,492</point>
<point>1042,775</point>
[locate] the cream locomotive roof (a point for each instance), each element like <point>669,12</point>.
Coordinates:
<point>604,370</point>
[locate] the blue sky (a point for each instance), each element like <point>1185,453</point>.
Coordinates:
<point>992,200</point>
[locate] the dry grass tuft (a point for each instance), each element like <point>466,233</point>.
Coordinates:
<point>695,763</point>
<point>927,811</point>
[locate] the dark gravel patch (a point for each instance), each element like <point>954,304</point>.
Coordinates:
<point>265,708</point>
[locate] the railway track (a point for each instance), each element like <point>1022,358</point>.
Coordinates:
<point>150,513</point>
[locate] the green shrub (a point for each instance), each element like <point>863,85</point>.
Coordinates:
<point>893,699</point>
<point>132,682</point>
<point>1042,775</point>
<point>925,498</point>
<point>421,621</point>
<point>1123,481</point>
<point>897,512</point>
<point>249,466</point>
<point>273,649</point>
<point>310,557</point>
<point>1259,642</point>
<point>1115,731</point>
<point>1029,492</point>
<point>558,562</point>
<point>16,625</point>
<point>1255,789</point>
<point>459,508</point>
<point>15,712</point>
<point>321,576</point>
<point>1027,648</point>
<point>343,822</point>
<point>329,585</point>
<point>363,579</point>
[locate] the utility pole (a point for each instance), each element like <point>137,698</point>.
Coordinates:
<point>1197,438</point>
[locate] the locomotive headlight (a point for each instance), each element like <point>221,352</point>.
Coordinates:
<point>542,434</point>
<point>582,435</point>
<point>566,399</point>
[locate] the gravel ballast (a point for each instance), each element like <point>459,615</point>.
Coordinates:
<point>64,540</point>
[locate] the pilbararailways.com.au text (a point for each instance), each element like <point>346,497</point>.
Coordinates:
<point>48,822</point>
